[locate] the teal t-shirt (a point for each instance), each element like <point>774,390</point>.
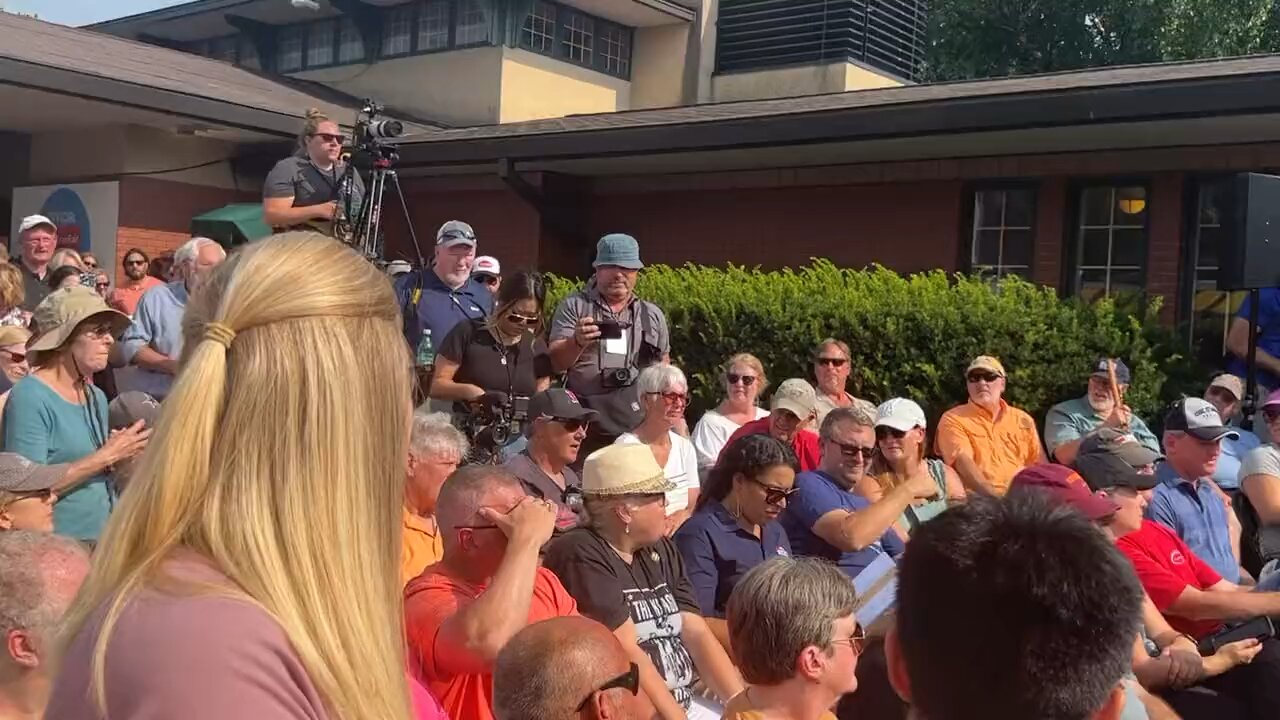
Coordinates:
<point>43,427</point>
<point>1073,419</point>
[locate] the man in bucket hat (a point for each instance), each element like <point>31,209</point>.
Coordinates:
<point>604,335</point>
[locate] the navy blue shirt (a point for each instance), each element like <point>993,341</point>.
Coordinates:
<point>717,552</point>
<point>1268,336</point>
<point>441,307</point>
<point>1197,515</point>
<point>818,495</point>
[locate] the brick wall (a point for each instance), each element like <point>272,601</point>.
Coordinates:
<point>506,226</point>
<point>1164,240</point>
<point>155,215</point>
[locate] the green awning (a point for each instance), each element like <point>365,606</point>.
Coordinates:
<point>232,225</point>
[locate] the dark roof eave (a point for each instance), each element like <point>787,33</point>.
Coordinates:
<point>1200,97</point>
<point>94,87</point>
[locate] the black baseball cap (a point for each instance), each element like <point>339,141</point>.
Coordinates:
<point>1105,469</point>
<point>561,404</point>
<point>1198,419</point>
<point>1122,370</point>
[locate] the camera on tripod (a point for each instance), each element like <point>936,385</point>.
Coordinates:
<point>369,132</point>
<point>496,418</point>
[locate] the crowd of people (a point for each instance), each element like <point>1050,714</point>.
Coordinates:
<point>220,497</point>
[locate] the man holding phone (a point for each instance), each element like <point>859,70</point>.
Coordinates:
<point>604,335</point>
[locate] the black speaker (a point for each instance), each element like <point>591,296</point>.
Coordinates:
<point>1250,254</point>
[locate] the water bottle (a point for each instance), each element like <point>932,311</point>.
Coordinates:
<point>426,355</point>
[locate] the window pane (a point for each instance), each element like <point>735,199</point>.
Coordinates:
<point>1211,239</point>
<point>615,51</point>
<point>539,31</point>
<point>350,44</point>
<point>1128,247</point>
<point>1018,208</point>
<point>249,54</point>
<point>988,208</point>
<point>1092,284</point>
<point>320,43</point>
<point>1017,247</point>
<point>986,247</point>
<point>397,30</point>
<point>1213,199</point>
<point>579,37</point>
<point>289,49</point>
<point>473,22</point>
<point>433,25</point>
<point>1131,206</point>
<point>1126,282</point>
<point>1095,206</point>
<point>1094,249</point>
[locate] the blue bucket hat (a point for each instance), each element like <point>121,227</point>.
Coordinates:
<point>618,249</point>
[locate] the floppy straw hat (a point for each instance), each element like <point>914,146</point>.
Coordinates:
<point>58,315</point>
<point>624,470</point>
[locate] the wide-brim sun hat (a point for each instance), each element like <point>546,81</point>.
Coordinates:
<point>58,315</point>
<point>624,470</point>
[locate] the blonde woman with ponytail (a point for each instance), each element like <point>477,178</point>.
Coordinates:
<point>252,569</point>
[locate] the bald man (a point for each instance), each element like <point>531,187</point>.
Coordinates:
<point>567,668</point>
<point>40,574</point>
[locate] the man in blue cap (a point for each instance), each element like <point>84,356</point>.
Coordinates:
<point>604,335</point>
<point>1102,406</point>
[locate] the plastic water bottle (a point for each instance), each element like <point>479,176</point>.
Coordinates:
<point>426,355</point>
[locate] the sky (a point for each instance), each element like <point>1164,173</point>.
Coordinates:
<point>83,12</point>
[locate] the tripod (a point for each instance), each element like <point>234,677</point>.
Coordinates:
<point>365,235</point>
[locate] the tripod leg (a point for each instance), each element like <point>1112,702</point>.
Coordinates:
<point>408,221</point>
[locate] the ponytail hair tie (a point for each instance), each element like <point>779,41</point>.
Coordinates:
<point>220,334</point>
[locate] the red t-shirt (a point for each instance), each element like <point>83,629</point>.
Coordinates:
<point>432,598</point>
<point>805,443</point>
<point>1166,567</point>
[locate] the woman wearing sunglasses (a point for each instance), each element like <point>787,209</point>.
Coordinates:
<point>27,493</point>
<point>664,395</point>
<point>901,458</point>
<point>734,526</point>
<point>796,640</point>
<point>13,359</point>
<point>503,353</point>
<point>302,189</point>
<point>744,379</point>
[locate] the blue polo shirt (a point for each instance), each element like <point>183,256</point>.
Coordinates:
<point>441,307</point>
<point>717,552</point>
<point>1268,336</point>
<point>818,495</point>
<point>1227,474</point>
<point>1197,515</point>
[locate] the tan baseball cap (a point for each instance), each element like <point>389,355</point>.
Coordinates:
<point>58,315</point>
<point>1230,383</point>
<point>624,470</point>
<point>795,396</point>
<point>986,362</point>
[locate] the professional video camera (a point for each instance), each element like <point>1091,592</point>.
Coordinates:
<point>495,418</point>
<point>369,132</point>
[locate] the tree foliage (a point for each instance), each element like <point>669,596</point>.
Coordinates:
<point>989,38</point>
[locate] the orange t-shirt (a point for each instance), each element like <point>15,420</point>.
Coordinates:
<point>125,297</point>
<point>740,708</point>
<point>1000,448</point>
<point>430,600</point>
<point>420,546</point>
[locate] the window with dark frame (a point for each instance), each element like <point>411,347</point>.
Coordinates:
<point>539,31</point>
<point>320,40</point>
<point>1211,309</point>
<point>615,51</point>
<point>472,27</point>
<point>289,48</point>
<point>397,31</point>
<point>350,41</point>
<point>1003,232</point>
<point>577,37</point>
<point>433,25</point>
<point>1111,242</point>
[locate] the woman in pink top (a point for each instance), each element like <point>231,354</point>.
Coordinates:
<point>252,570</point>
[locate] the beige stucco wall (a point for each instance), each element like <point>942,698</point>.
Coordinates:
<point>458,87</point>
<point>797,80</point>
<point>535,87</point>
<point>658,59</point>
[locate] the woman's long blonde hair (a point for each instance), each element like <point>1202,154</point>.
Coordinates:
<point>280,459</point>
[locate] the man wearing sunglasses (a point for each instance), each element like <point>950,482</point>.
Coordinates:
<point>126,295</point>
<point>987,440</point>
<point>831,368</point>
<point>827,518</point>
<point>559,425</point>
<point>565,668</point>
<point>302,190</point>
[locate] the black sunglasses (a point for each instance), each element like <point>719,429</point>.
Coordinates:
<point>983,376</point>
<point>572,425</point>
<point>15,357</point>
<point>518,319</point>
<point>746,380</point>
<point>774,495</point>
<point>629,681</point>
<point>328,137</point>
<point>883,432</point>
<point>833,362</point>
<point>851,450</point>
<point>1270,414</point>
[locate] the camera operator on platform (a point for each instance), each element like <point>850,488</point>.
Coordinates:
<point>503,353</point>
<point>604,335</point>
<point>302,189</point>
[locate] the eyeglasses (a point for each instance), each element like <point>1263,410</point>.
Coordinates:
<point>15,357</point>
<point>832,362</point>
<point>746,380</point>
<point>857,641</point>
<point>1270,415</point>
<point>672,398</point>
<point>99,332</point>
<point>328,137</point>
<point>572,425</point>
<point>775,495</point>
<point>850,450</point>
<point>989,377</point>
<point>41,495</point>
<point>629,681</point>
<point>883,432</point>
<point>518,319</point>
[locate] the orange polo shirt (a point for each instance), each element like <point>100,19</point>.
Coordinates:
<point>1000,447</point>
<point>420,546</point>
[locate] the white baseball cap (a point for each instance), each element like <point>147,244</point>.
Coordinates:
<point>398,267</point>
<point>488,265</point>
<point>900,414</point>
<point>1199,419</point>
<point>31,221</point>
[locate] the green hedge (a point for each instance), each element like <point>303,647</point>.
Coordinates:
<point>910,336</point>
